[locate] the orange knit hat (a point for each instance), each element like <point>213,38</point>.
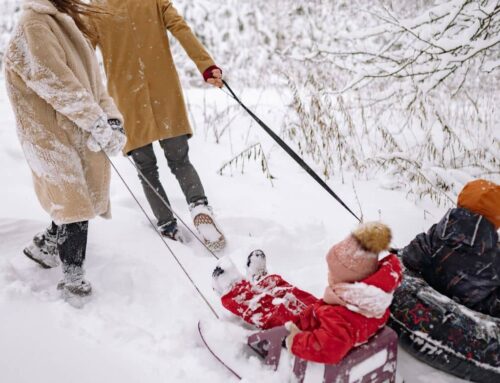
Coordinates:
<point>482,197</point>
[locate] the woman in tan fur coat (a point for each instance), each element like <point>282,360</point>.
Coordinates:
<point>67,125</point>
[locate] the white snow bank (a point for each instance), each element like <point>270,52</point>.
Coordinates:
<point>141,325</point>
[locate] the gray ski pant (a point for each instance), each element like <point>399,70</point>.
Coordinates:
<point>176,152</point>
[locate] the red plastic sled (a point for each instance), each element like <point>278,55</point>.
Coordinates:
<point>374,361</point>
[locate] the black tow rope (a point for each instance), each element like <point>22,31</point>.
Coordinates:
<point>290,151</point>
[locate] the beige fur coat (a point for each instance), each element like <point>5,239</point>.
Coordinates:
<point>57,94</point>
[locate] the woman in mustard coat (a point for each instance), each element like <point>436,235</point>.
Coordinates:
<point>143,80</point>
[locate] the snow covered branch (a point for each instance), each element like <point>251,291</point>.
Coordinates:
<point>448,39</point>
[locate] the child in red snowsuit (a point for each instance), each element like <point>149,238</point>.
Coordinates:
<point>354,307</point>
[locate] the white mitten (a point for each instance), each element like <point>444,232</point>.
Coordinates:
<point>118,138</point>
<point>100,134</point>
<point>93,145</point>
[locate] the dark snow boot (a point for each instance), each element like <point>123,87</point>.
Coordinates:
<point>256,266</point>
<point>171,231</point>
<point>74,288</point>
<point>225,276</point>
<point>43,248</point>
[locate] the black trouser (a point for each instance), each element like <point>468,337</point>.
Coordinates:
<point>71,240</point>
<point>176,152</point>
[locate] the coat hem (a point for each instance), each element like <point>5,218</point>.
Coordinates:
<point>81,218</point>
<point>128,151</point>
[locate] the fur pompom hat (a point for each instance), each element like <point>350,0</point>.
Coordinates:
<point>356,257</point>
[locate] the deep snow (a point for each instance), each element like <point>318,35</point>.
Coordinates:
<point>141,325</point>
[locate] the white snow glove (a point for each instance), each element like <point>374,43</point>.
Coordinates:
<point>100,134</point>
<point>108,136</point>
<point>118,138</point>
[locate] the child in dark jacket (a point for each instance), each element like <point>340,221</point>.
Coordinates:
<point>354,307</point>
<point>460,255</point>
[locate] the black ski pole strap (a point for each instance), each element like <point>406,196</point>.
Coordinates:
<point>290,151</point>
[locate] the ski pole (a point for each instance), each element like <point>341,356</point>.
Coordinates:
<point>163,239</point>
<point>290,152</point>
<point>160,197</point>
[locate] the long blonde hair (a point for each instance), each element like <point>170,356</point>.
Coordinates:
<point>79,10</point>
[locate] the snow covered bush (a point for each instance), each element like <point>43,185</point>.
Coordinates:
<point>452,38</point>
<point>411,97</point>
<point>401,88</point>
<point>406,89</point>
<point>9,10</point>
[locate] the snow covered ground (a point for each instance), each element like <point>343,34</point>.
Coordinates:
<point>141,325</point>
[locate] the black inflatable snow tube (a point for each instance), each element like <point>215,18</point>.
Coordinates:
<point>445,334</point>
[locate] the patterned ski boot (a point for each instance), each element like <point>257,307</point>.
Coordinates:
<point>206,226</point>
<point>74,288</point>
<point>43,249</point>
<point>256,266</point>
<point>225,276</point>
<point>171,231</point>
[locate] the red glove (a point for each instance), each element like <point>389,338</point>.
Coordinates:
<point>208,72</point>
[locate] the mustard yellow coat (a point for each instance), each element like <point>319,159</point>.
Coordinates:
<point>57,94</point>
<point>142,77</point>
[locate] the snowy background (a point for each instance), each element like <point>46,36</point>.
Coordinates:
<point>393,103</point>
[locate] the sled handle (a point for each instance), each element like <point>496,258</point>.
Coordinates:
<point>268,344</point>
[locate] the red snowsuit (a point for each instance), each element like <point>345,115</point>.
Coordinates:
<point>329,332</point>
